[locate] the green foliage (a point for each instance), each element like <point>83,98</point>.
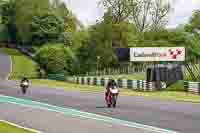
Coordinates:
<point>119,9</point>
<point>55,58</point>
<point>3,34</point>
<point>102,43</point>
<point>164,38</point>
<point>37,21</point>
<point>70,21</point>
<point>178,86</point>
<point>124,34</point>
<point>86,58</point>
<point>25,14</point>
<point>46,28</point>
<point>8,19</point>
<point>194,22</point>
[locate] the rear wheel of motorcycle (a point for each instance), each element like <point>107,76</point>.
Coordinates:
<point>24,90</point>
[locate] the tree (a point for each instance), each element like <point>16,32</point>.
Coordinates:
<point>71,22</point>
<point>194,23</point>
<point>102,36</point>
<point>86,57</point>
<point>46,28</point>
<point>123,34</point>
<point>192,45</point>
<point>119,12</point>
<point>119,9</point>
<point>8,18</point>
<point>97,48</point>
<point>24,22</point>
<point>25,17</point>
<point>56,58</point>
<point>148,14</point>
<point>18,18</point>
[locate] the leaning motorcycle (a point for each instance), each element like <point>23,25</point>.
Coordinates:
<point>111,99</point>
<point>24,85</point>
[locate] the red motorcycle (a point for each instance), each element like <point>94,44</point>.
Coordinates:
<point>111,97</point>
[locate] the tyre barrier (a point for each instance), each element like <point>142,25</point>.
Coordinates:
<point>192,87</point>
<point>122,83</point>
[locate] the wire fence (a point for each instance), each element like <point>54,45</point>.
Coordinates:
<point>117,71</point>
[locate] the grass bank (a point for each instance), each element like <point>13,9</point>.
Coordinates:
<point>21,65</point>
<point>7,128</point>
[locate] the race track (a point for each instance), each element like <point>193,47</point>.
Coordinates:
<point>52,122</point>
<point>5,65</point>
<point>176,116</point>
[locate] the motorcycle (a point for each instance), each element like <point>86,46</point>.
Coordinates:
<point>111,99</point>
<point>24,85</point>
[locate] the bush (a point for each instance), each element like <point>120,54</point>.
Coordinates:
<point>178,86</point>
<point>3,34</point>
<point>55,58</point>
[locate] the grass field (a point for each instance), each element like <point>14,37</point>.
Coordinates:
<point>21,65</point>
<point>164,95</point>
<point>7,128</point>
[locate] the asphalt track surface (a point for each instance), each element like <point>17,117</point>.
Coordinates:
<point>52,122</point>
<point>177,116</point>
<point>4,65</point>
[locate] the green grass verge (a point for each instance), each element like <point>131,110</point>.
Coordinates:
<point>7,128</point>
<point>66,86</point>
<point>163,95</point>
<point>178,86</point>
<point>21,65</point>
<point>134,76</point>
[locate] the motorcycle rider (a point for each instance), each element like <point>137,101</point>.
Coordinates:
<point>23,82</point>
<point>111,84</point>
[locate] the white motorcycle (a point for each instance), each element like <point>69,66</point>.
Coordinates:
<point>24,85</point>
<point>112,97</point>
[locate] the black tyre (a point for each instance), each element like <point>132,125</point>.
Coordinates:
<point>24,90</point>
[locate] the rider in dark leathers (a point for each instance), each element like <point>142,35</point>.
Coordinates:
<point>22,84</point>
<point>111,84</point>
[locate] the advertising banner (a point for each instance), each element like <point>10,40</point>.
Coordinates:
<point>157,54</point>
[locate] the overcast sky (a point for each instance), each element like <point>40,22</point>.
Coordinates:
<point>88,11</point>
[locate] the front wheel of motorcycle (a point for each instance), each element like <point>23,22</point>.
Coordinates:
<point>114,101</point>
